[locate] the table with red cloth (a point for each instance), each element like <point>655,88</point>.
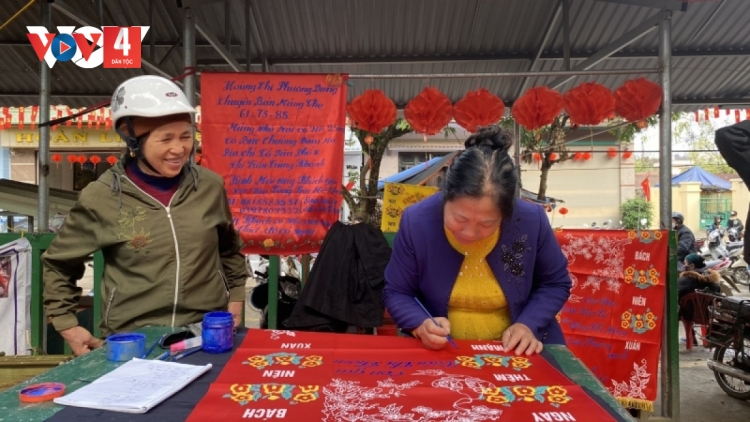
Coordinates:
<point>304,376</point>
<point>273,375</point>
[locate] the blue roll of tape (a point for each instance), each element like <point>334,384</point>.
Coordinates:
<point>125,346</point>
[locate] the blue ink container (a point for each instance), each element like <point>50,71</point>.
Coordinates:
<point>218,332</point>
<point>125,346</point>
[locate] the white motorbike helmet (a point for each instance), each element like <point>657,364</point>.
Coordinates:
<point>146,96</point>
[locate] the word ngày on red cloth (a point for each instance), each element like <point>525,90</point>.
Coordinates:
<point>304,376</point>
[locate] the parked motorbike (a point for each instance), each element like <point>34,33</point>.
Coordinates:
<point>288,292</point>
<point>739,269</point>
<point>734,235</point>
<point>727,282</point>
<point>729,333</point>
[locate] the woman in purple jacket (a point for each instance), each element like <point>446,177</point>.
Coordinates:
<point>486,265</point>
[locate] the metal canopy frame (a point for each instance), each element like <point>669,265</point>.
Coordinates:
<point>560,17</point>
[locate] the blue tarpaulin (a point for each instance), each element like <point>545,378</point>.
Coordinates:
<point>708,180</point>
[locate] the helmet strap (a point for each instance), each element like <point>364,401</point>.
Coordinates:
<point>134,144</point>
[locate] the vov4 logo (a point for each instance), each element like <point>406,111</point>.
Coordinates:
<point>89,47</point>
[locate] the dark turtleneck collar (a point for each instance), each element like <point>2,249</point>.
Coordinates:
<point>160,183</point>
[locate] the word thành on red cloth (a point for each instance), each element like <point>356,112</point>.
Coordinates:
<point>613,318</point>
<point>302,376</point>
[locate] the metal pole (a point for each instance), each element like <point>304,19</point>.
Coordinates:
<point>670,377</point>
<point>248,28</point>
<point>507,74</point>
<point>566,34</point>
<point>188,53</point>
<point>44,156</point>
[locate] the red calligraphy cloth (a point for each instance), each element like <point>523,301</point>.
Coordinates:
<point>278,142</point>
<point>304,376</point>
<point>613,318</point>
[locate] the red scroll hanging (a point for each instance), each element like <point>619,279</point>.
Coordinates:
<point>278,142</point>
<point>613,318</point>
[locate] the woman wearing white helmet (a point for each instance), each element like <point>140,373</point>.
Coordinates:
<point>164,226</point>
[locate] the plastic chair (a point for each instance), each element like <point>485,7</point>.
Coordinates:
<point>699,303</point>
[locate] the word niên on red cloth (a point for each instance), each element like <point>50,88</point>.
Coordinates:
<point>613,318</point>
<point>303,376</point>
<point>278,141</point>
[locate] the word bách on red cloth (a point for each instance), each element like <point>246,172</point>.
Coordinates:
<point>613,318</point>
<point>302,376</point>
<point>278,141</point>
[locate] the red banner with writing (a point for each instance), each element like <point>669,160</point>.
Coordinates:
<point>278,141</point>
<point>613,319</point>
<point>302,376</point>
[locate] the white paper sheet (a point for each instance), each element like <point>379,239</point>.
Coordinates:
<point>135,387</point>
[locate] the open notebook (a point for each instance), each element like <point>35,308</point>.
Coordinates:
<point>135,387</point>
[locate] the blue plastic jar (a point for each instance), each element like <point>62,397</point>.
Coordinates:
<point>218,332</point>
<point>125,346</point>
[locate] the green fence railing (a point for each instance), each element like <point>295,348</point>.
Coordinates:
<point>711,207</point>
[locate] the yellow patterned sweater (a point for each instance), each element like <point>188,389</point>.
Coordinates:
<point>477,308</point>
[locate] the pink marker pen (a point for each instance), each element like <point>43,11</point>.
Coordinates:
<point>186,344</point>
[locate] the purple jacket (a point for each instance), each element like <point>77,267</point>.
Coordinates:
<point>527,261</point>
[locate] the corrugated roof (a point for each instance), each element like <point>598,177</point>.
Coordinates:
<point>417,36</point>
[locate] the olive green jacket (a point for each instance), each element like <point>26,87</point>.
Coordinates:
<point>163,265</point>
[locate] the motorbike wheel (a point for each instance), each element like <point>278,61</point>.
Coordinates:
<point>740,274</point>
<point>732,386</point>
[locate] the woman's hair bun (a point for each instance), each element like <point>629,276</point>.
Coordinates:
<point>493,136</point>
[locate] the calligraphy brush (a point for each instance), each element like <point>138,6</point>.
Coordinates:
<point>450,340</point>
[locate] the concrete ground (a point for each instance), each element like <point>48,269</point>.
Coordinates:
<point>701,398</point>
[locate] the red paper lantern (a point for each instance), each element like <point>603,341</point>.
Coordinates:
<point>369,139</point>
<point>586,156</point>
<point>112,160</point>
<point>537,156</point>
<point>627,154</point>
<point>589,103</point>
<point>553,157</point>
<point>372,111</point>
<point>611,152</point>
<point>563,210</point>
<point>95,159</point>
<point>82,159</point>
<point>429,112</point>
<point>537,107</point>
<point>72,159</point>
<point>578,156</point>
<point>198,158</point>
<point>56,158</point>
<point>637,99</point>
<point>478,108</point>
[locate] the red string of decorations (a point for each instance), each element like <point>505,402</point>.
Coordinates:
<point>637,99</point>
<point>537,107</point>
<point>478,108</point>
<point>611,152</point>
<point>372,111</point>
<point>589,104</point>
<point>429,112</point>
